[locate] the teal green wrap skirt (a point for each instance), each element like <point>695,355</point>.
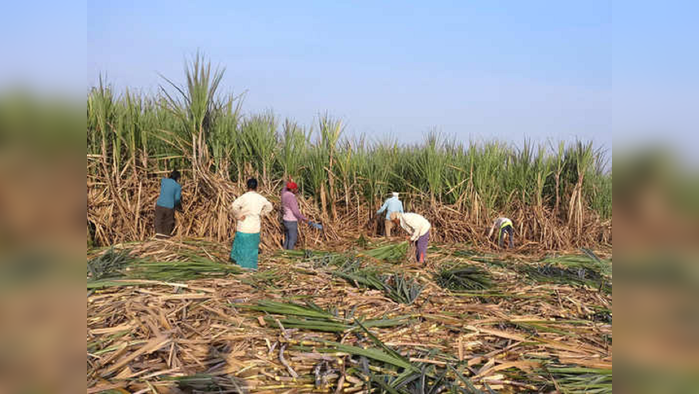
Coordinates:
<point>245,249</point>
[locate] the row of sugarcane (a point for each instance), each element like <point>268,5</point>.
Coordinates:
<point>195,128</point>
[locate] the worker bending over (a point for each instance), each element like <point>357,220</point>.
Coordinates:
<point>391,205</point>
<point>419,229</point>
<point>504,225</point>
<point>168,201</point>
<point>247,210</point>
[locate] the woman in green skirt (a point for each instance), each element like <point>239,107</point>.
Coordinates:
<point>248,209</point>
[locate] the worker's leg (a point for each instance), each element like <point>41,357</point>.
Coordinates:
<point>501,235</point>
<point>293,234</point>
<point>511,235</point>
<point>286,235</point>
<point>421,248</point>
<point>164,221</point>
<point>388,225</point>
<point>158,221</point>
<point>290,229</point>
<point>170,221</point>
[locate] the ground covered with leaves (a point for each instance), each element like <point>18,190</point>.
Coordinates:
<point>175,317</point>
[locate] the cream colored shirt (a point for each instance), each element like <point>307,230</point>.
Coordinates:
<point>253,206</point>
<point>415,224</point>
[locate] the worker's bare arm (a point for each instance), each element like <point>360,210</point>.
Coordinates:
<point>416,235</point>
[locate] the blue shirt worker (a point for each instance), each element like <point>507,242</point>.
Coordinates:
<point>391,205</point>
<point>168,201</point>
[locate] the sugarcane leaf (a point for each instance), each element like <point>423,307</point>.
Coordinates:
<point>465,380</point>
<point>390,351</point>
<point>375,354</point>
<point>384,385</point>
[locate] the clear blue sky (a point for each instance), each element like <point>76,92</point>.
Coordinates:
<point>471,69</point>
<point>656,75</point>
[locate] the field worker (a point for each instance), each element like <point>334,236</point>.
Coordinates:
<point>168,201</point>
<point>419,229</point>
<point>248,209</point>
<point>391,205</point>
<point>291,215</point>
<point>504,225</point>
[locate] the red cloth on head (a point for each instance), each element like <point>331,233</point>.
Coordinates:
<point>292,186</point>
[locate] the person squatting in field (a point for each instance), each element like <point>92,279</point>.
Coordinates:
<point>248,209</point>
<point>168,201</point>
<point>504,225</point>
<point>419,229</point>
<point>391,205</point>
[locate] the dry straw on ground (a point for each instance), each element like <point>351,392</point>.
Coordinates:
<point>205,335</point>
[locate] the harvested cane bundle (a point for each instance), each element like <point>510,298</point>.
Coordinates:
<point>582,270</point>
<point>173,249</point>
<point>589,261</point>
<point>314,318</point>
<point>392,253</point>
<point>319,258</point>
<point>402,288</point>
<point>575,379</point>
<point>293,309</point>
<point>109,264</point>
<point>398,287</point>
<point>462,277</point>
<point>368,278</point>
<point>567,275</point>
<point>103,269</point>
<point>179,270</point>
<point>351,265</point>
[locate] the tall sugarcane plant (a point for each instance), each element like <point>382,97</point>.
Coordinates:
<point>195,124</point>
<point>195,104</point>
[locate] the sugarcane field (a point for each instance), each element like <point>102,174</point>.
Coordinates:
<point>239,252</point>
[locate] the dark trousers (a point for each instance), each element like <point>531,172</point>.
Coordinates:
<point>291,234</point>
<point>421,247</point>
<point>510,232</point>
<point>164,220</point>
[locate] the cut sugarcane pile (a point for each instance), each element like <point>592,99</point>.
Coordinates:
<point>462,277</point>
<point>156,261</point>
<point>298,325</point>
